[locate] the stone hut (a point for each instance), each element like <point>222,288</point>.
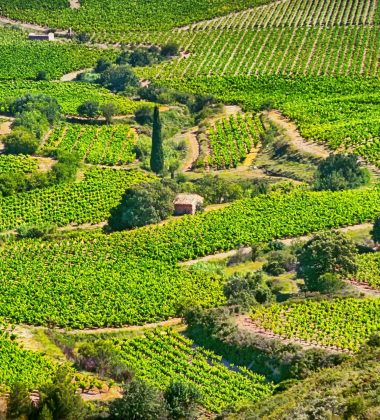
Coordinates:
<point>42,37</point>
<point>187,204</point>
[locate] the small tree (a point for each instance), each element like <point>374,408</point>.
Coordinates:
<point>109,110</point>
<point>181,400</point>
<point>59,399</point>
<point>143,204</point>
<point>340,172</point>
<point>42,75</point>
<point>328,252</point>
<point>19,403</point>
<point>39,102</point>
<point>102,65</point>
<point>144,115</point>
<point>375,232</point>
<point>118,78</point>
<point>139,402</point>
<point>20,141</point>
<point>170,50</point>
<point>157,156</point>
<point>89,109</point>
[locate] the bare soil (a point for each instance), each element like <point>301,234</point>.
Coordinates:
<point>291,131</point>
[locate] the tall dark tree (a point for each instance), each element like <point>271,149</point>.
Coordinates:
<point>157,156</point>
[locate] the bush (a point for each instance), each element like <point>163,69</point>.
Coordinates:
<point>35,231</point>
<point>144,115</point>
<point>247,290</point>
<point>280,262</point>
<point>181,400</point>
<point>89,109</point>
<point>118,78</point>
<point>12,183</point>
<point>328,252</point>
<point>340,172</point>
<point>139,402</point>
<point>141,205</point>
<point>375,232</point>
<point>20,141</point>
<point>170,50</point>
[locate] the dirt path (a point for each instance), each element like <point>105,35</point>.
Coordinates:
<point>346,229</point>
<point>69,77</point>
<point>287,241</point>
<point>5,128</point>
<point>291,131</point>
<point>74,4</point>
<point>364,288</point>
<point>245,324</point>
<point>28,26</point>
<point>193,148</point>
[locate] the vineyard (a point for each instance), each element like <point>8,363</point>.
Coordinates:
<point>115,19</point>
<point>304,51</point>
<point>342,323</point>
<point>88,201</point>
<point>23,59</point>
<point>231,139</point>
<point>161,356</point>
<point>108,145</point>
<point>19,163</point>
<point>341,112</point>
<point>132,277</point>
<point>369,269</point>
<point>20,366</point>
<point>69,95</point>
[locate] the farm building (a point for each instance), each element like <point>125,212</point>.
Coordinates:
<point>41,37</point>
<point>187,203</point>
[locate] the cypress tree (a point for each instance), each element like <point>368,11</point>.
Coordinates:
<point>157,156</point>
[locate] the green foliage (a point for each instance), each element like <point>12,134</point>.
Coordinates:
<point>170,50</point>
<point>348,392</point>
<point>69,95</point>
<point>19,402</point>
<point>21,369</point>
<point>144,204</point>
<point>340,172</point>
<point>157,154</point>
<point>231,139</point>
<point>375,232</point>
<point>368,269</point>
<point>109,110</point>
<point>143,115</point>
<point>137,271</point>
<point>140,402</point>
<point>247,290</point>
<point>34,121</point>
<point>327,252</point>
<point>116,19</point>
<point>332,110</point>
<point>89,109</point>
<point>59,398</point>
<point>30,60</point>
<point>118,78</point>
<point>88,201</point>
<point>104,144</point>
<point>279,262</point>
<point>216,329</point>
<point>46,105</point>
<point>162,357</point>
<point>20,141</point>
<point>343,323</point>
<point>181,399</point>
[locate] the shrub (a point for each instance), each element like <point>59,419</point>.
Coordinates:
<point>20,141</point>
<point>279,262</point>
<point>181,400</point>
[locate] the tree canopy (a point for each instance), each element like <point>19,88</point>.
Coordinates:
<point>340,172</point>
<point>141,205</point>
<point>326,253</point>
